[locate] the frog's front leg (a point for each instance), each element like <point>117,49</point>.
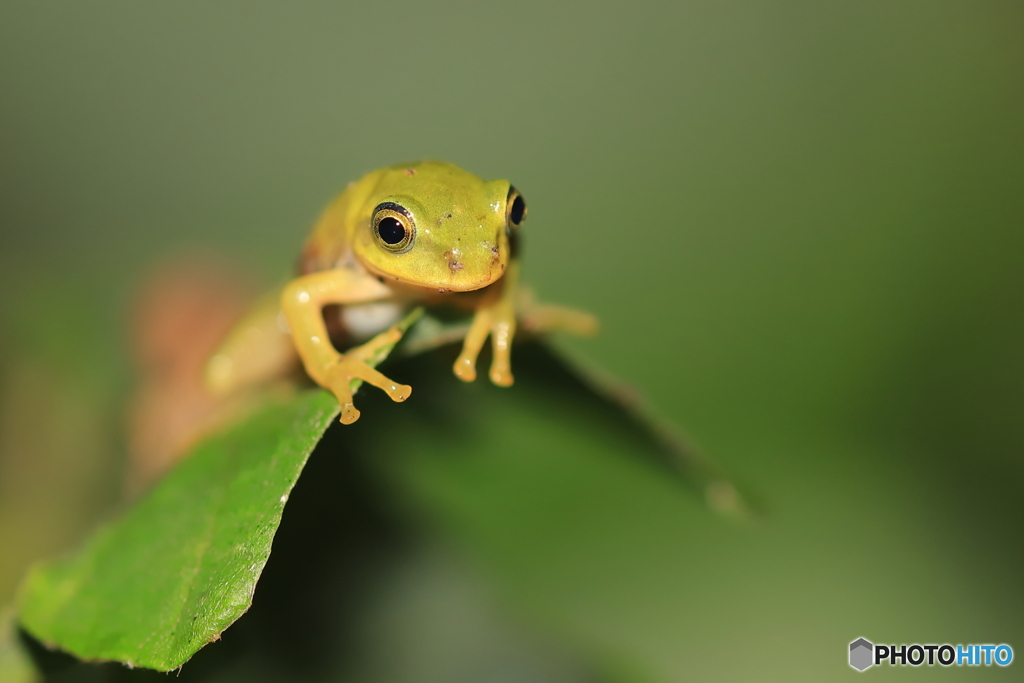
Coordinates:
<point>302,302</point>
<point>495,316</point>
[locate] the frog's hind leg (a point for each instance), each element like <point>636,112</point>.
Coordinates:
<point>539,318</point>
<point>258,349</point>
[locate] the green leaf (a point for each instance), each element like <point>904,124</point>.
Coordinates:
<point>156,585</point>
<point>169,576</point>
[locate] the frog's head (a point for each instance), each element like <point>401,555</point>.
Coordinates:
<point>434,226</point>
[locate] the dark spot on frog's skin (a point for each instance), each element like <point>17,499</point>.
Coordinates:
<point>410,171</point>
<point>495,253</point>
<point>448,215</point>
<point>380,279</point>
<point>453,262</point>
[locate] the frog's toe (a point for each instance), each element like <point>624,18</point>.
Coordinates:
<point>398,392</point>
<point>501,374</point>
<point>395,391</point>
<point>349,414</point>
<point>465,368</point>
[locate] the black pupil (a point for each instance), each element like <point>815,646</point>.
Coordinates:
<point>515,215</point>
<point>391,230</point>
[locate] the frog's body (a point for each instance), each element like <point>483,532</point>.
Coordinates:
<point>422,233</point>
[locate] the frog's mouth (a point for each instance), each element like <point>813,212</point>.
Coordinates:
<point>469,284</point>
<point>451,275</point>
<point>462,268</point>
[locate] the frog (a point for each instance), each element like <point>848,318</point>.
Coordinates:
<point>427,234</point>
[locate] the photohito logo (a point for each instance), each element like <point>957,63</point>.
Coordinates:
<point>865,654</point>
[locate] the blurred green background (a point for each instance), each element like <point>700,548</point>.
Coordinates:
<point>799,223</point>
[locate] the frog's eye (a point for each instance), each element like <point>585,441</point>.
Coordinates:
<point>515,208</point>
<point>393,227</point>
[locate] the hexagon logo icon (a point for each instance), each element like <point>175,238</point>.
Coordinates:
<point>861,652</point>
